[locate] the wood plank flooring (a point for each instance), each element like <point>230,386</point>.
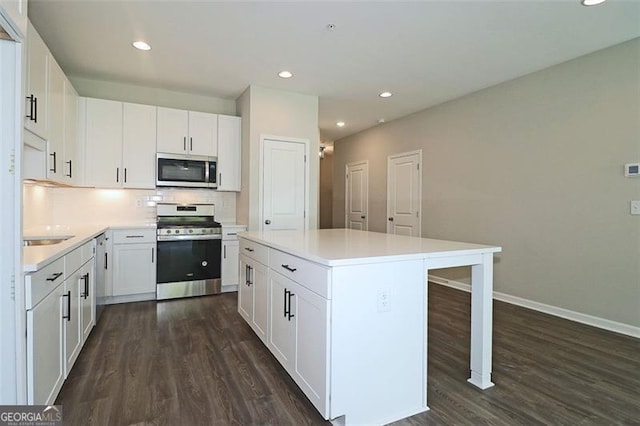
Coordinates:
<point>195,362</point>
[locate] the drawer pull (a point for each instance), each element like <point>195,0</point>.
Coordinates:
<point>250,250</point>
<point>54,276</point>
<point>134,236</point>
<point>288,268</point>
<point>232,233</point>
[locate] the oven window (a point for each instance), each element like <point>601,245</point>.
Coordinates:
<point>189,260</point>
<point>172,170</point>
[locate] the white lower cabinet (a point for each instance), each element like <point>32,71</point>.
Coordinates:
<point>45,371</point>
<point>285,305</point>
<point>252,295</point>
<point>134,264</point>
<point>71,321</point>
<point>298,327</point>
<point>60,316</point>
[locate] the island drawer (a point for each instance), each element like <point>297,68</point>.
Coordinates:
<point>133,236</point>
<point>308,274</point>
<point>78,257</point>
<point>39,284</point>
<point>255,251</point>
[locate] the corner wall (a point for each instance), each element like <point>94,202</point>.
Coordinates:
<point>275,113</point>
<point>534,165</point>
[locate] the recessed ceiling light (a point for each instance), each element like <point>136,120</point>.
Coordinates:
<point>141,45</point>
<point>285,74</point>
<point>592,2</point>
<point>385,94</point>
<point>340,124</point>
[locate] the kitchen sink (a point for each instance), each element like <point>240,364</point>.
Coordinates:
<point>46,241</point>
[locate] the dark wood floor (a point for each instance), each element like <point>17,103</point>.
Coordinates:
<point>195,362</point>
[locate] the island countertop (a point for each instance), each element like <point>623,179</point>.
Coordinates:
<point>340,247</point>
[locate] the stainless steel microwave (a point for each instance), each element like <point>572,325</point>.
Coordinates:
<point>190,171</point>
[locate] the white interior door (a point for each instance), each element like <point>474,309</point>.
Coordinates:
<point>357,196</point>
<point>404,189</point>
<point>284,185</point>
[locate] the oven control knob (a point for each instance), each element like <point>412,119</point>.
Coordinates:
<point>191,231</point>
<point>204,263</point>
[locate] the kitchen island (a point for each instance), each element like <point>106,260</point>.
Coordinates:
<point>345,313</point>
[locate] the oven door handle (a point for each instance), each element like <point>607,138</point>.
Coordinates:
<point>189,237</point>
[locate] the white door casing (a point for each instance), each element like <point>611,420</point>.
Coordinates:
<point>284,184</point>
<point>404,193</point>
<point>357,196</point>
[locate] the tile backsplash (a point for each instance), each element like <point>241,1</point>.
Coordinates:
<point>80,206</point>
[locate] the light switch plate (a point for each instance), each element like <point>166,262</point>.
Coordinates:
<point>635,207</point>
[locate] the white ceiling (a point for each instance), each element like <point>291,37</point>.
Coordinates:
<point>425,52</point>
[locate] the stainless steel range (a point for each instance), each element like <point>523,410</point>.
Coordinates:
<point>189,251</point>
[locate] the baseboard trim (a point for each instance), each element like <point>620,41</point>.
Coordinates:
<point>591,320</point>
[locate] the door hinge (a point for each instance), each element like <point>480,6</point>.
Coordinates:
<point>305,158</point>
<point>304,214</point>
<point>12,162</point>
<point>418,165</point>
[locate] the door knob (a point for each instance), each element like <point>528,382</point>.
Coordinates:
<point>362,217</point>
<point>390,219</point>
<point>267,222</point>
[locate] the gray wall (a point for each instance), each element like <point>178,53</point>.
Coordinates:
<point>534,165</point>
<point>271,112</point>
<point>326,189</point>
<point>152,96</point>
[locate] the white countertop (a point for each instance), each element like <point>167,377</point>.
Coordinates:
<point>339,247</point>
<point>36,257</point>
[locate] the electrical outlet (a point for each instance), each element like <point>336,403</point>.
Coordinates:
<point>383,300</point>
<point>139,203</point>
<point>635,207</point>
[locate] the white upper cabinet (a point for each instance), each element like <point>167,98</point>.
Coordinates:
<point>104,143</point>
<point>121,144</point>
<point>15,13</point>
<point>37,87</point>
<point>73,164</point>
<point>139,146</point>
<point>55,151</point>
<point>187,132</point>
<point>229,130</point>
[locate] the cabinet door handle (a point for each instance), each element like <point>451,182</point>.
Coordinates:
<point>54,162</point>
<point>68,316</point>
<point>190,144</point>
<point>290,314</point>
<point>288,268</point>
<point>220,179</point>
<point>153,250</point>
<point>86,285</point>
<point>232,233</point>
<point>31,114</point>
<point>250,250</point>
<point>224,252</point>
<point>35,114</point>
<point>285,302</point>
<point>106,261</point>
<point>247,275</point>
<point>125,175</point>
<point>184,143</point>
<point>55,276</point>
<point>117,174</point>
<point>134,236</point>
<point>70,172</point>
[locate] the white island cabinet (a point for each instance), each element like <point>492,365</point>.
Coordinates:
<point>347,315</point>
